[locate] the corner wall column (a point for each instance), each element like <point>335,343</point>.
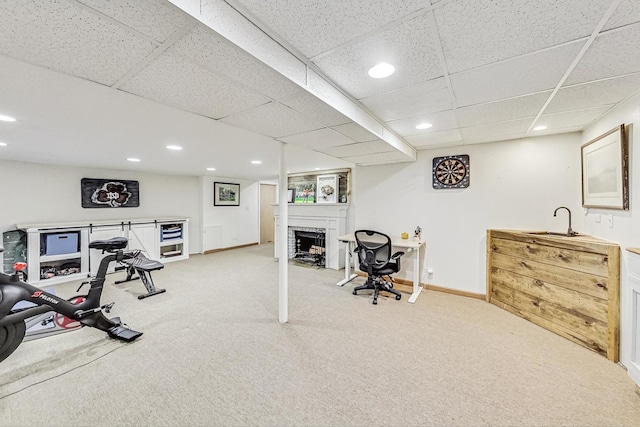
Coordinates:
<point>283,256</point>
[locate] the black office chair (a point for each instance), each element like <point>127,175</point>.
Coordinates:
<point>375,259</point>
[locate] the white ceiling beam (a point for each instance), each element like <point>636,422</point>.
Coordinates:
<point>230,20</point>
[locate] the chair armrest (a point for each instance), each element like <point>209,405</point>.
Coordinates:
<point>397,255</point>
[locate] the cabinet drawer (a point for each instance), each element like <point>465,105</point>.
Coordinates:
<point>586,262</point>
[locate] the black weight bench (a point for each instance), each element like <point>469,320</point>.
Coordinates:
<point>142,265</point>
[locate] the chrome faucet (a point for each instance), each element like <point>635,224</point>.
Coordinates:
<point>570,232</point>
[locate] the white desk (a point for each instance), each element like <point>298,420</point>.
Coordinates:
<point>409,244</point>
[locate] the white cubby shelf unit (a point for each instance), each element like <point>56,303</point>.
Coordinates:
<point>59,252</point>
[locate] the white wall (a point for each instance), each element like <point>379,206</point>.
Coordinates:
<point>229,226</point>
<point>513,185</point>
<point>42,193</point>
<point>626,224</point>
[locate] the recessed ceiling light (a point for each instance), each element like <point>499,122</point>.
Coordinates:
<point>132,159</point>
<point>256,162</point>
<point>424,126</point>
<point>174,147</point>
<point>211,169</point>
<point>3,144</point>
<point>6,118</point>
<point>381,70</point>
<point>541,127</point>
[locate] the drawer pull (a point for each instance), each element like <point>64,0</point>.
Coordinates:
<point>538,282</point>
<point>600,285</point>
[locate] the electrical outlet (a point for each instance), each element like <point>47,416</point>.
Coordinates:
<point>430,273</point>
<point>610,221</point>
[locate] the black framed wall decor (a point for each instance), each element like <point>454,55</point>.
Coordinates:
<point>109,193</point>
<point>226,194</point>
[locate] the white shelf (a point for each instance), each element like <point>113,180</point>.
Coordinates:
<point>170,242</point>
<point>61,257</point>
<point>170,254</point>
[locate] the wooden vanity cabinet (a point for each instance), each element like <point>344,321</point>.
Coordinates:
<point>568,285</point>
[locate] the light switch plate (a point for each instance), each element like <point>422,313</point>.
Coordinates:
<point>610,221</point>
<point>598,218</point>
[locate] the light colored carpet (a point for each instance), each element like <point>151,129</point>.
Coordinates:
<point>213,353</point>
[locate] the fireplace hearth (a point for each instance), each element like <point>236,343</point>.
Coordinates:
<point>309,247</point>
<point>329,219</point>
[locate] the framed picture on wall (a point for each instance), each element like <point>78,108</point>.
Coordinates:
<point>327,188</point>
<point>226,194</point>
<point>109,193</point>
<point>605,171</point>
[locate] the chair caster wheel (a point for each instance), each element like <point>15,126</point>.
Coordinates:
<point>398,297</point>
<point>375,302</point>
<point>354,292</point>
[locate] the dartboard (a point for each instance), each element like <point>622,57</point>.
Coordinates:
<point>451,171</point>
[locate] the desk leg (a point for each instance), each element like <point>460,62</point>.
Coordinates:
<point>416,276</point>
<point>347,266</point>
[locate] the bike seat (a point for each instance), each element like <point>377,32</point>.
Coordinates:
<point>109,245</point>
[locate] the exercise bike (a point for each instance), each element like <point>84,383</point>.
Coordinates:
<point>88,310</point>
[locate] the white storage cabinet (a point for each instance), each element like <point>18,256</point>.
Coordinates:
<point>59,253</point>
<point>56,255</point>
<point>634,288</point>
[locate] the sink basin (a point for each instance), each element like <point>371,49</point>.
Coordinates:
<point>551,233</point>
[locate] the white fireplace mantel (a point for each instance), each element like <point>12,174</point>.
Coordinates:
<point>330,216</point>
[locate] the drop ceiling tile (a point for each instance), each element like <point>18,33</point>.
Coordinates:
<point>480,32</point>
<point>575,118</point>
<point>609,56</point>
<point>359,149</point>
<point>604,92</point>
<point>311,106</point>
<point>315,27</point>
<point>70,39</point>
<point>379,158</point>
<point>318,139</point>
<point>627,12</point>
<point>508,109</point>
<point>443,145</point>
<point>408,47</point>
<point>274,120</point>
<point>156,19</point>
<point>434,138</point>
<point>557,131</point>
<point>494,130</point>
<point>174,80</point>
<point>355,132</point>
<point>422,98</point>
<point>442,120</point>
<point>500,138</point>
<point>216,53</point>
<point>519,76</point>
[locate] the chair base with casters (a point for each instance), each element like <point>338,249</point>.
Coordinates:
<point>375,259</point>
<point>377,284</point>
